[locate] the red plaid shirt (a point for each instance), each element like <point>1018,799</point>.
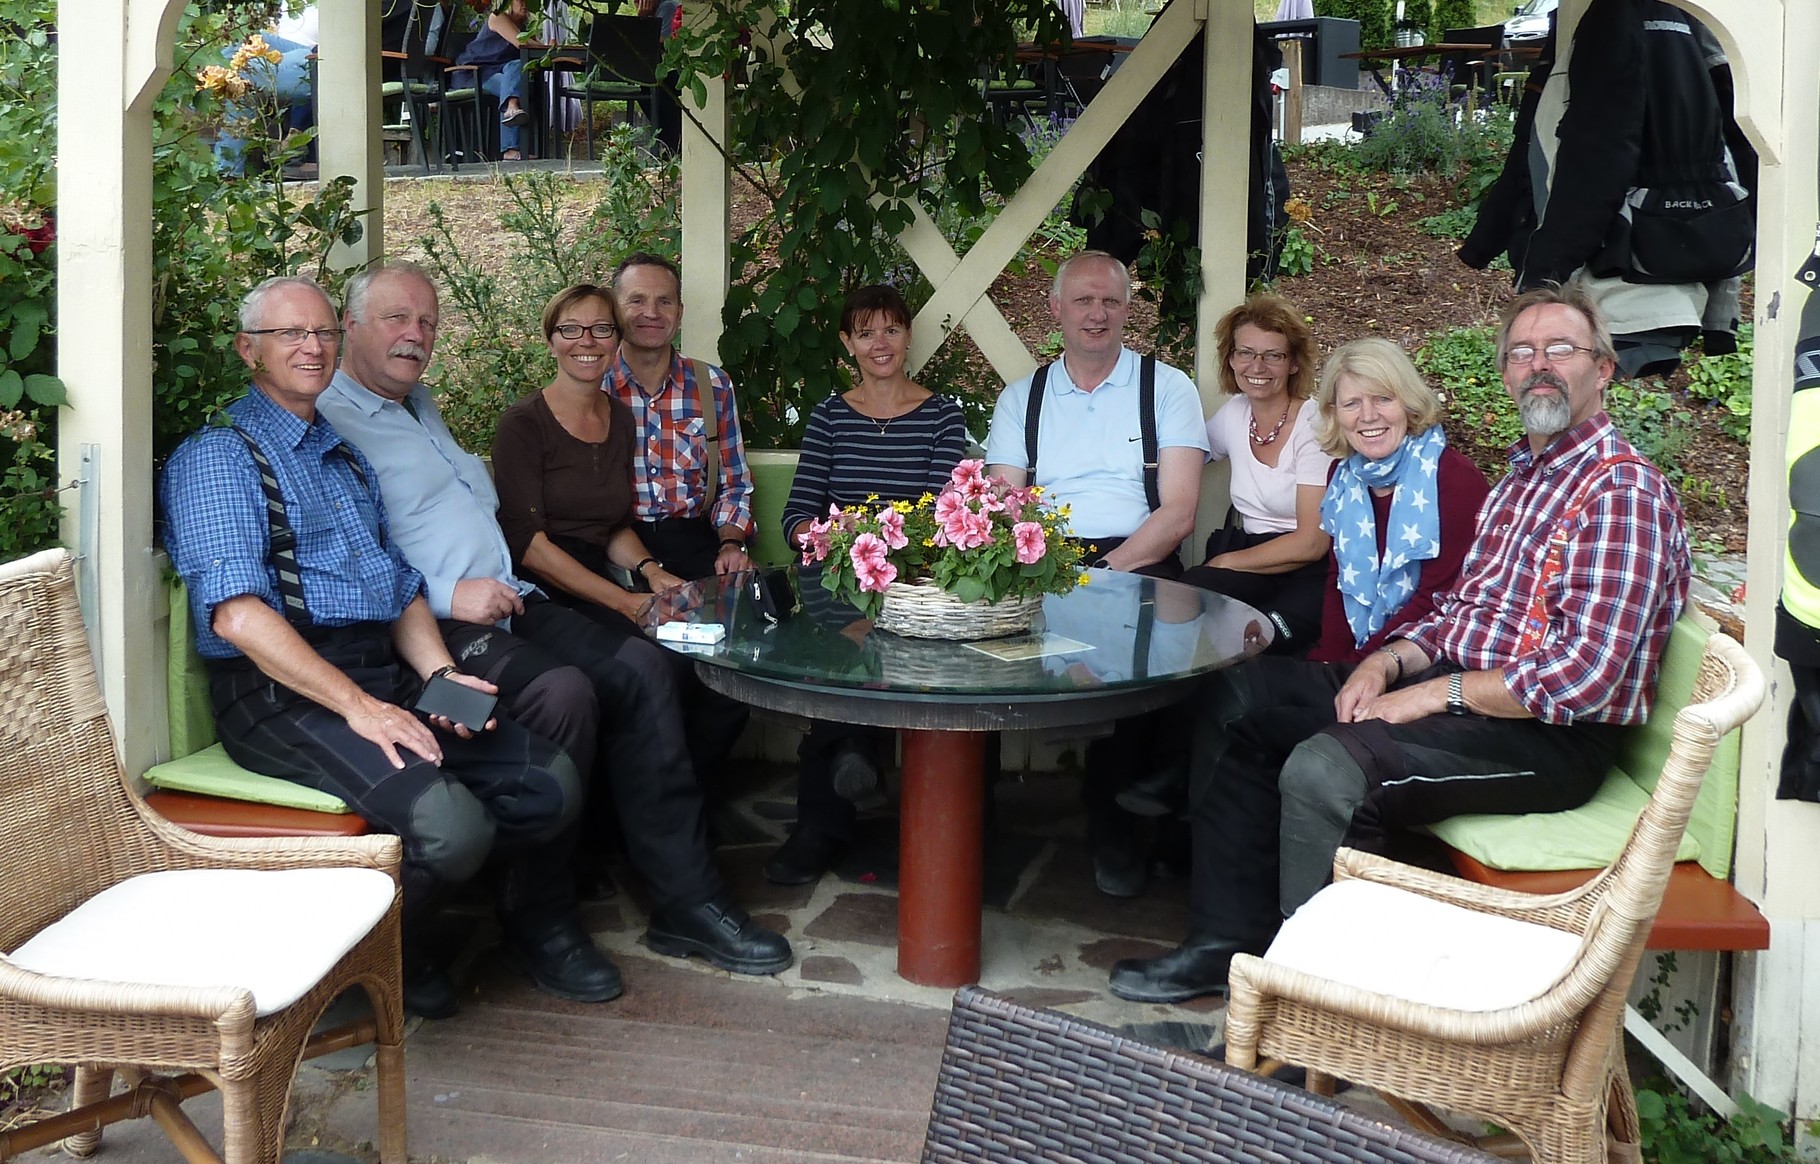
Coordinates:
<point>670,462</point>
<point>1623,582</point>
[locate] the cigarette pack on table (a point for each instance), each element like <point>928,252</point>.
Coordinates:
<point>697,633</point>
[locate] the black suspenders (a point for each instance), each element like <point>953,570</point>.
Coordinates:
<point>283,556</point>
<point>1033,412</point>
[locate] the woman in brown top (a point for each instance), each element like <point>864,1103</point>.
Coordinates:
<point>562,461</point>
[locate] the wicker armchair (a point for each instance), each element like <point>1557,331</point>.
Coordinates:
<point>1519,1024</point>
<point>1023,1085</point>
<point>130,946</point>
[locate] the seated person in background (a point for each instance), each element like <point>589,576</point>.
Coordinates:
<point>886,439</point>
<point>1077,429</point>
<point>1277,560</point>
<point>494,53</point>
<point>1507,698</point>
<point>562,463</point>
<point>284,83</point>
<point>510,632</point>
<point>317,653</point>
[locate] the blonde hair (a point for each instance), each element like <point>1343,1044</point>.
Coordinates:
<point>1382,364</point>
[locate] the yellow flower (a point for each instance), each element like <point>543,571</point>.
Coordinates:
<point>1082,580</point>
<point>1065,511</point>
<point>903,506</point>
<point>1298,209</point>
<point>928,541</point>
<point>273,56</point>
<point>1036,490</point>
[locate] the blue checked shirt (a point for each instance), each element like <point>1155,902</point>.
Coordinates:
<point>219,538</point>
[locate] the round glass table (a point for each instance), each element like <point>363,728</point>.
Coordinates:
<point>1118,646</point>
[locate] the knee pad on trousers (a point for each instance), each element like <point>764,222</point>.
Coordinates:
<point>571,791</point>
<point>1321,786</point>
<point>453,832</point>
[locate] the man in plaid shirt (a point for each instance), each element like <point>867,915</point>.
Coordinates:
<point>693,494</point>
<point>1507,699</point>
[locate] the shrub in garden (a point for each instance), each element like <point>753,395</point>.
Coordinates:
<point>213,237</point>
<point>491,350</point>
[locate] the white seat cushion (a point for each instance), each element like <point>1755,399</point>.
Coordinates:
<point>274,933</point>
<point>1407,946</point>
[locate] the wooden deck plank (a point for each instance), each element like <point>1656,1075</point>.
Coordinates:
<point>687,1066</point>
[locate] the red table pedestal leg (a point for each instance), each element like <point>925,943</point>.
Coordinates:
<point>940,855</point>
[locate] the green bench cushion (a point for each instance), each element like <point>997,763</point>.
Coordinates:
<point>772,474</point>
<point>1590,836</point>
<point>202,765</point>
<point>210,773</point>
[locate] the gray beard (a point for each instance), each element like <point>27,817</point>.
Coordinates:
<point>1545,415</point>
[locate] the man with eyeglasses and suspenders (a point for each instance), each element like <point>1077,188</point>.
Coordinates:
<point>1507,699</point>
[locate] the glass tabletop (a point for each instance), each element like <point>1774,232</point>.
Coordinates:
<point>1119,631</point>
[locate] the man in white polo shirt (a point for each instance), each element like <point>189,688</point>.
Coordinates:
<point>1120,439</point>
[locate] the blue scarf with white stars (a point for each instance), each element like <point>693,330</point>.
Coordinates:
<point>1370,590</point>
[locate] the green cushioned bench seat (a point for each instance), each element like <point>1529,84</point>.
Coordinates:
<point>206,792</point>
<point>1548,852</point>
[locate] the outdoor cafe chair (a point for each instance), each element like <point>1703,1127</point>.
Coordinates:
<point>1502,1004</point>
<point>1019,1084</point>
<point>130,946</point>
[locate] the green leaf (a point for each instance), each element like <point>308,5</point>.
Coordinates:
<point>786,319</point>
<point>24,339</point>
<point>807,299</point>
<point>46,390</point>
<point>11,388</point>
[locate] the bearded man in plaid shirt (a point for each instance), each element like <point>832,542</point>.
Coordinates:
<point>1507,699</point>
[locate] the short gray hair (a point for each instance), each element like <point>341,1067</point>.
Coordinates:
<point>1572,295</point>
<point>252,306</point>
<point>360,284</point>
<point>1061,272</point>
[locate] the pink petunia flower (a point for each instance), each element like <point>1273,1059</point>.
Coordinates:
<point>891,529</point>
<point>870,565</point>
<point>969,477</point>
<point>949,505</point>
<point>1030,542</point>
<point>975,530</point>
<point>816,542</point>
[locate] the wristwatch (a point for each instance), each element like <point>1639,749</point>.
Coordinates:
<point>1456,693</point>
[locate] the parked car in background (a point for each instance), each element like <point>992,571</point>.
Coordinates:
<point>1529,24</point>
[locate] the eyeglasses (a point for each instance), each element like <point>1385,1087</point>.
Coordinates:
<point>1246,355</point>
<point>296,335</point>
<point>597,330</point>
<point>1553,353</point>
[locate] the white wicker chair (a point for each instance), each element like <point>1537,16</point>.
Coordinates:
<point>130,946</point>
<point>1546,1058</point>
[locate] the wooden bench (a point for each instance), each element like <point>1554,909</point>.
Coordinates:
<point>1551,852</point>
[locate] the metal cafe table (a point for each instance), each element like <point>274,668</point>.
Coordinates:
<point>1118,646</point>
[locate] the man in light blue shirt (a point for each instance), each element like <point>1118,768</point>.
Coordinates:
<point>502,629</point>
<point>1090,439</point>
<point>1089,456</point>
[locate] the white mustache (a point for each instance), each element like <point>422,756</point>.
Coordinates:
<point>411,351</point>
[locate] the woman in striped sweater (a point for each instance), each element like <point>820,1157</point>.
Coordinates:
<point>886,437</point>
